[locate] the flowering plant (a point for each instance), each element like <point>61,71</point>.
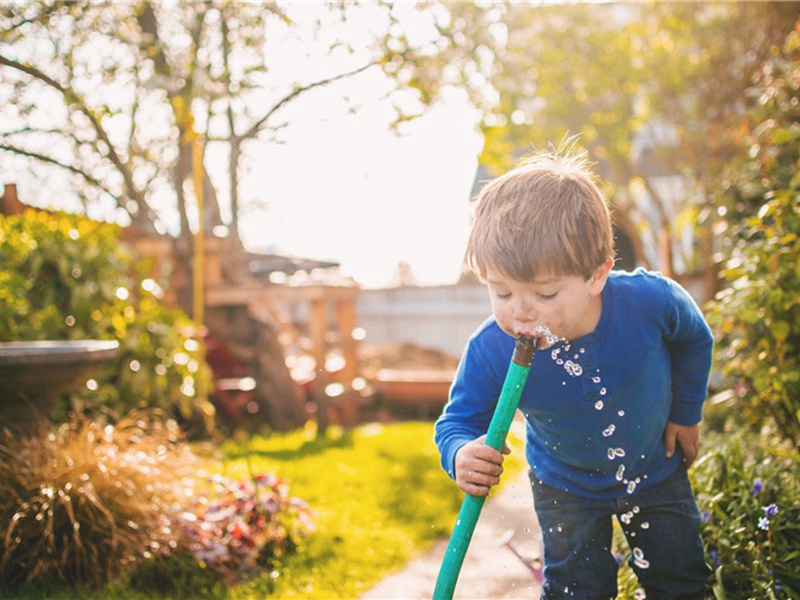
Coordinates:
<point>240,526</point>
<point>747,495</point>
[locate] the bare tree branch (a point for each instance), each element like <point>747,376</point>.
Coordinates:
<point>96,125</point>
<point>298,91</point>
<point>53,161</point>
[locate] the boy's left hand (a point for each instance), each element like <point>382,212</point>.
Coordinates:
<point>687,437</point>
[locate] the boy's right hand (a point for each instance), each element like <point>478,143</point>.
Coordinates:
<point>478,467</point>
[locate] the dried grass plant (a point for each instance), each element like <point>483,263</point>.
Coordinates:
<point>82,505</point>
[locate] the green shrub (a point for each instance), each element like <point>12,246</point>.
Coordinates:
<point>81,506</point>
<point>67,277</point>
<point>747,488</point>
<point>757,318</point>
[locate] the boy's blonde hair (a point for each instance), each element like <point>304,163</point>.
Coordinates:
<point>545,217</point>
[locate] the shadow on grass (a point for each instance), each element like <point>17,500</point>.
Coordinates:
<point>418,490</point>
<point>312,447</point>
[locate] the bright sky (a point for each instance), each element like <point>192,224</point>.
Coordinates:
<point>342,186</point>
<point>348,189</point>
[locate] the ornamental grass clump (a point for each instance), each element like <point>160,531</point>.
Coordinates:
<point>82,505</point>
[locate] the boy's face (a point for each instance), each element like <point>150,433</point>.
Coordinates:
<point>569,306</point>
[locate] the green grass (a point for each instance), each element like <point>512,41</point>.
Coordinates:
<point>380,499</point>
<point>379,495</point>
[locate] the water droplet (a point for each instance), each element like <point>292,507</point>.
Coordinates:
<point>645,525</point>
<point>582,350</point>
<point>621,413</point>
<point>639,594</point>
<point>615,452</point>
<point>635,509</point>
<point>596,379</point>
<point>598,405</point>
<point>642,564</point>
<point>631,487</point>
<point>603,391</point>
<point>620,472</point>
<point>608,431</point>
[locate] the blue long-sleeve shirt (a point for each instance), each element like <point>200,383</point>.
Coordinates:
<point>595,407</point>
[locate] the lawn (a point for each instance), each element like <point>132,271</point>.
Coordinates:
<point>379,495</point>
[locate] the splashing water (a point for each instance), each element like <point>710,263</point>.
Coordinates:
<point>573,369</point>
<point>549,337</point>
<point>615,453</point>
<point>609,431</point>
<point>639,559</point>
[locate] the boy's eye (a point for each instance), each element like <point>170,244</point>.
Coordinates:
<point>504,296</point>
<point>547,296</point>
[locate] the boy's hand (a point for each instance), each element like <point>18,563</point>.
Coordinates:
<point>478,467</point>
<point>687,437</point>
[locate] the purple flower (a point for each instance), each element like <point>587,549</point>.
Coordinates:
<point>704,516</point>
<point>771,510</point>
<point>763,523</point>
<point>714,558</point>
<point>757,486</point>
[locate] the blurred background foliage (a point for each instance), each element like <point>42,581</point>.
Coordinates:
<point>757,316</point>
<point>66,277</point>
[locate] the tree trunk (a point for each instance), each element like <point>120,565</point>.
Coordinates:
<point>281,401</point>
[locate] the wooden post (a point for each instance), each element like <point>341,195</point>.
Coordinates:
<point>318,327</point>
<point>345,324</point>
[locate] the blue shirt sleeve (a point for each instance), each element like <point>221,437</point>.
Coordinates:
<point>690,343</point>
<point>473,397</point>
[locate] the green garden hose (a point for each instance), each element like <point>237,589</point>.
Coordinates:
<point>495,437</point>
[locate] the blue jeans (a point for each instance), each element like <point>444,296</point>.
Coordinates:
<point>661,525</point>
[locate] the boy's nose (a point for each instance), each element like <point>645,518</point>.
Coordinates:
<point>524,313</point>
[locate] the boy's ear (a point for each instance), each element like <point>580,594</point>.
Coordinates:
<point>600,275</point>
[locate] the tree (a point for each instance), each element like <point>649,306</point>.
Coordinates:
<point>654,92</point>
<point>113,93</point>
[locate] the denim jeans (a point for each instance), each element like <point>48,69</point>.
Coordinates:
<point>661,525</point>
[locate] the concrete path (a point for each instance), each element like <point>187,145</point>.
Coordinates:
<point>491,570</point>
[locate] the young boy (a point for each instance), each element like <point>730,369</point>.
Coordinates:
<point>612,411</point>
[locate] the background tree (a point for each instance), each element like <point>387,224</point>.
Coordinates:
<point>112,93</point>
<point>654,91</point>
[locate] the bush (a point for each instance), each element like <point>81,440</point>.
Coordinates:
<point>240,527</point>
<point>757,318</point>
<point>82,505</point>
<point>66,277</point>
<point>747,490</point>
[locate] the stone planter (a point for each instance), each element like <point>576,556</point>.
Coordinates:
<point>33,374</point>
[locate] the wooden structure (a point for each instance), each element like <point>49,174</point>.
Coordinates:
<point>265,325</point>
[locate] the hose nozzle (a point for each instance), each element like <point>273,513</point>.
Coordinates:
<point>524,348</point>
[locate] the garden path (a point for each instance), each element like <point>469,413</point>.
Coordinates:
<point>490,570</point>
